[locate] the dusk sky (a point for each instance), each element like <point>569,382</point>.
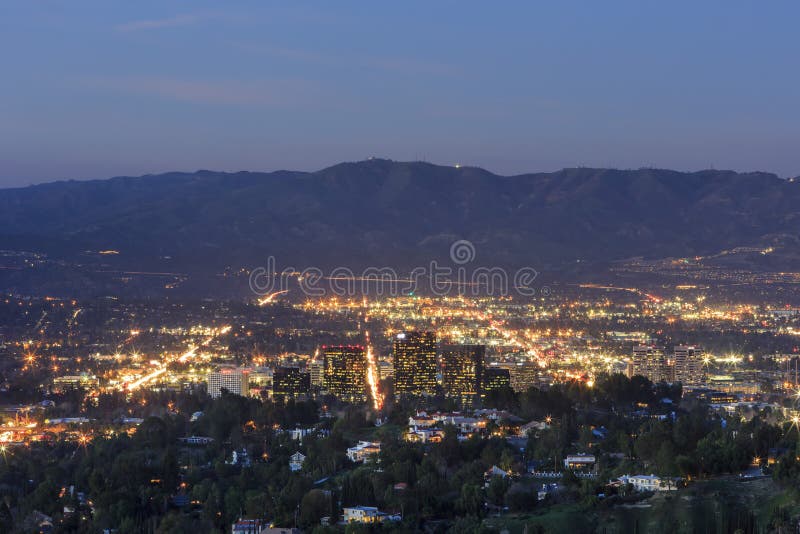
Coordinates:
<point>94,89</point>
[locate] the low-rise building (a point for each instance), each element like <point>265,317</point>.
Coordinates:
<point>425,435</point>
<point>580,462</point>
<point>648,482</point>
<point>239,458</point>
<point>363,450</point>
<point>298,434</point>
<point>247,526</point>
<point>421,420</point>
<point>466,425</point>
<point>367,514</point>
<point>533,426</point>
<point>196,440</point>
<point>296,461</point>
<point>258,526</point>
<point>495,471</point>
<point>82,381</point>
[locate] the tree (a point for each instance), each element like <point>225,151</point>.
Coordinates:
<point>152,432</point>
<point>569,479</point>
<point>169,470</point>
<point>234,502</point>
<point>496,491</point>
<point>467,525</point>
<point>521,499</point>
<point>315,505</point>
<point>471,500</point>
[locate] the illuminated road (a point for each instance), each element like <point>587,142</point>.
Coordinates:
<point>267,299</point>
<point>191,353</point>
<point>628,289</point>
<point>372,371</point>
<point>511,336</point>
<point>146,378</point>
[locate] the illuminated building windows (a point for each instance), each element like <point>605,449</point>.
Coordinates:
<point>462,370</point>
<point>345,372</point>
<point>415,364</point>
<point>290,383</point>
<point>495,378</point>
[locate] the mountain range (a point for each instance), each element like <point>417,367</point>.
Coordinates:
<point>400,214</point>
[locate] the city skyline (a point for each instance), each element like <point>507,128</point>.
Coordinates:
<point>514,268</point>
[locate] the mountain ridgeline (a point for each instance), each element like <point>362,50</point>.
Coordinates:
<point>386,213</point>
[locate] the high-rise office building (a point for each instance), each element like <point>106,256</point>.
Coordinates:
<point>462,369</point>
<point>523,375</point>
<point>415,363</point>
<point>385,369</point>
<point>652,362</point>
<point>495,378</point>
<point>689,365</point>
<point>290,383</point>
<point>345,374</point>
<point>233,380</point>
<point>317,370</point>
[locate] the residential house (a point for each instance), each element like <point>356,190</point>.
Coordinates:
<point>580,462</point>
<point>648,482</point>
<point>363,450</point>
<point>367,514</point>
<point>296,461</point>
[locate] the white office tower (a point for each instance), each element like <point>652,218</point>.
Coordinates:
<point>234,380</point>
<point>317,369</point>
<point>689,365</point>
<point>650,361</point>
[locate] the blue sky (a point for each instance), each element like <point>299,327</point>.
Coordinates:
<point>98,88</point>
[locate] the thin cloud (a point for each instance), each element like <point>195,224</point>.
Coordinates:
<point>391,64</point>
<point>155,24</point>
<point>264,93</point>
